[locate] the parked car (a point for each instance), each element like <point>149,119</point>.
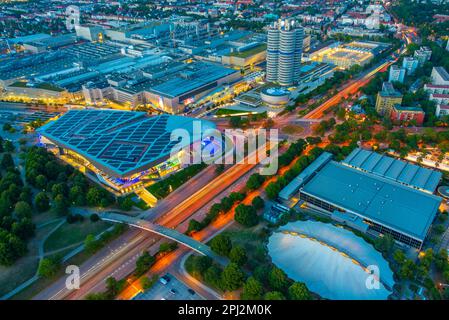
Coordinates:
<point>164,280</point>
<point>191,291</point>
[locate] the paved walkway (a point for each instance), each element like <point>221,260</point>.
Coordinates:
<point>444,243</point>
<point>46,223</point>
<point>205,291</point>
<point>41,256</point>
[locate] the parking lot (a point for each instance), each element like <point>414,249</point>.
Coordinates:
<point>173,290</point>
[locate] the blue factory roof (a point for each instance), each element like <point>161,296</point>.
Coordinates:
<point>379,199</point>
<point>391,168</point>
<point>120,142</point>
<point>29,38</point>
<point>198,76</point>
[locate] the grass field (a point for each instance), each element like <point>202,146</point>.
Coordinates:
<point>43,217</point>
<point>69,234</point>
<point>223,112</point>
<point>249,52</point>
<point>42,283</point>
<point>44,86</point>
<point>292,129</point>
<point>252,241</point>
<point>24,268</point>
<point>163,187</point>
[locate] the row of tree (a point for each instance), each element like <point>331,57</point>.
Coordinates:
<point>162,188</point>
<point>272,284</point>
<point>60,185</point>
<point>216,209</point>
<point>273,188</point>
<point>16,226</point>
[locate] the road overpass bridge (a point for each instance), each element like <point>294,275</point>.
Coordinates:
<point>165,232</point>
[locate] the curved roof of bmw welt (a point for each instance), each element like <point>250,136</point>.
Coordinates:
<point>121,143</point>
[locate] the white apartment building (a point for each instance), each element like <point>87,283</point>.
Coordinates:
<point>410,64</point>
<point>435,88</point>
<point>397,74</point>
<point>423,54</point>
<point>439,76</point>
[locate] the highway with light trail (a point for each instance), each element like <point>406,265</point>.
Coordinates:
<point>172,214</point>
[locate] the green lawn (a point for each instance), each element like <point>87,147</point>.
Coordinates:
<point>49,86</point>
<point>241,236</point>
<point>42,217</point>
<point>162,188</point>
<point>248,98</point>
<point>292,129</point>
<point>252,241</point>
<point>25,267</point>
<point>44,86</point>
<point>222,112</point>
<point>249,52</point>
<point>139,203</point>
<point>42,283</point>
<point>69,234</point>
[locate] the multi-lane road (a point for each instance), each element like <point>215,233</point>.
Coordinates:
<point>172,212</point>
<point>349,89</point>
<point>122,252</point>
<point>118,259</point>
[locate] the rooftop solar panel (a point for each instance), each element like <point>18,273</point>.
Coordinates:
<point>120,141</point>
<point>398,170</point>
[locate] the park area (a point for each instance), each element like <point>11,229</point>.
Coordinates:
<point>292,129</point>
<point>52,210</point>
<point>56,240</point>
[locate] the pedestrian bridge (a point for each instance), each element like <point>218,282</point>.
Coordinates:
<point>165,232</point>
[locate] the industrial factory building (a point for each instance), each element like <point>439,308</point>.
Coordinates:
<point>373,193</point>
<point>168,86</point>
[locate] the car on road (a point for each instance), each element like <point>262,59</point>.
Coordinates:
<point>191,291</point>
<point>173,291</point>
